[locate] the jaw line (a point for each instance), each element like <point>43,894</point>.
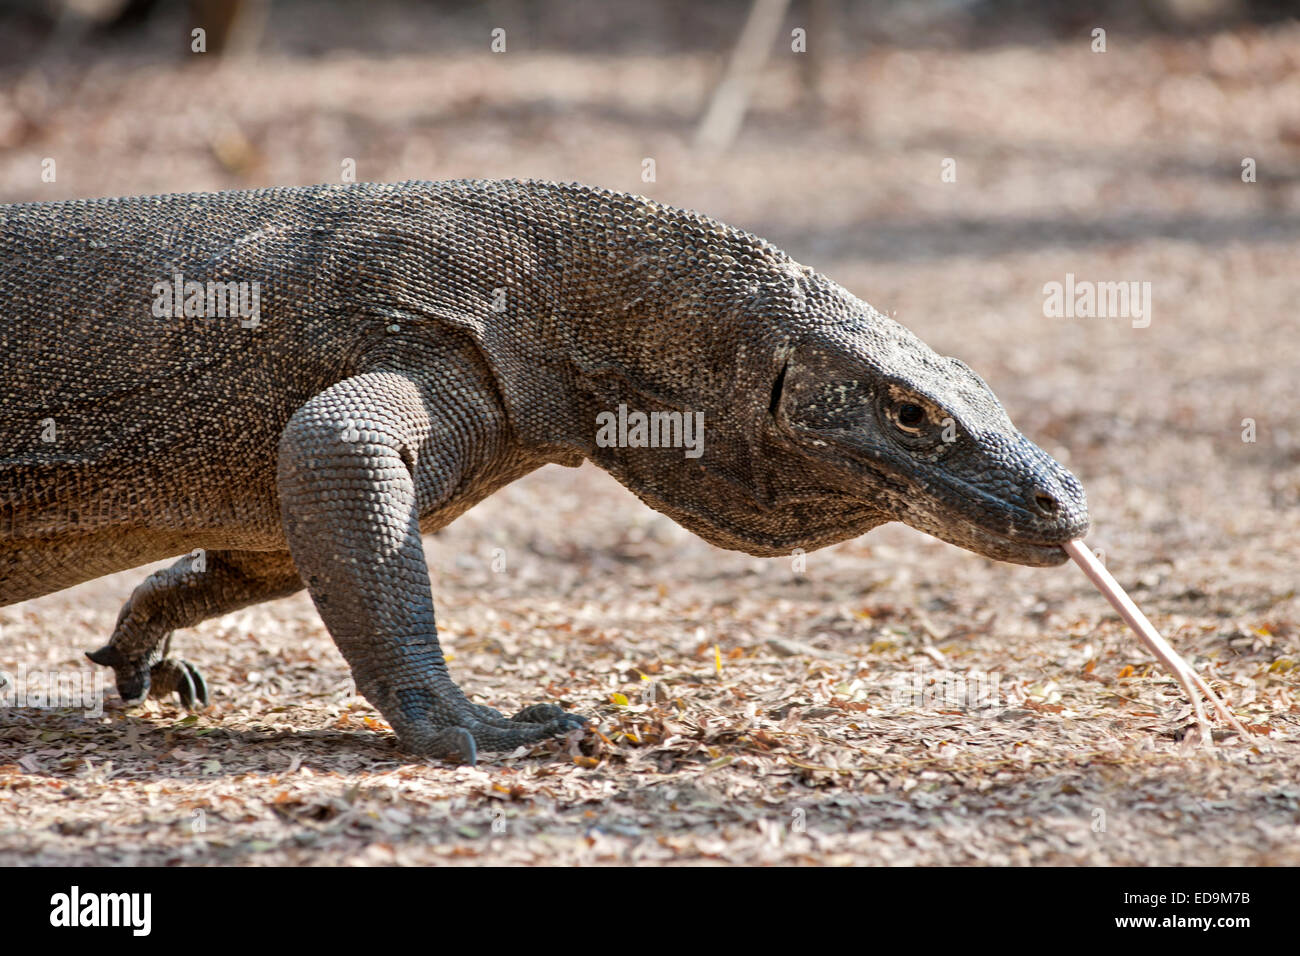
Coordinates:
<point>1020,550</point>
<point>1000,547</point>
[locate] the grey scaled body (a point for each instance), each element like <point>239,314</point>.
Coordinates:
<point>418,346</point>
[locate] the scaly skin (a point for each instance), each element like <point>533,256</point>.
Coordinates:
<point>419,346</point>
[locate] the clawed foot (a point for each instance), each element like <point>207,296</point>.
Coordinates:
<point>478,727</point>
<point>136,680</point>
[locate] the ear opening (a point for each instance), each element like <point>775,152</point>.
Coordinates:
<point>777,387</point>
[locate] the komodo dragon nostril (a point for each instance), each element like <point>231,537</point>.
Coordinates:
<point>1045,503</point>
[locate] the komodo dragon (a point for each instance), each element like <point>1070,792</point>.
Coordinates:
<point>415,347</point>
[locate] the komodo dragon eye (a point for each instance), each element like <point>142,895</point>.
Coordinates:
<point>910,417</point>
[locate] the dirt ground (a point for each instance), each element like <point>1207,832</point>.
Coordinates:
<point>747,710</point>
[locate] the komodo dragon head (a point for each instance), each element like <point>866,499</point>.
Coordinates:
<point>823,418</point>
<point>879,416</point>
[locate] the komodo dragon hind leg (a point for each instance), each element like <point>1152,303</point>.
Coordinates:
<point>357,464</point>
<point>195,588</point>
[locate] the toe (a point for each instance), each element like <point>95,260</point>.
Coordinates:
<point>132,677</point>
<point>539,714</point>
<point>198,686</point>
<point>180,678</point>
<point>185,687</point>
<point>490,715</point>
<point>455,744</point>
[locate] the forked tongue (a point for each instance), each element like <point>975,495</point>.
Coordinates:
<point>1191,681</point>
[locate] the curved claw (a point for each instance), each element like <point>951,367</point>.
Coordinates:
<point>455,744</point>
<point>200,696</point>
<point>202,684</point>
<point>179,677</point>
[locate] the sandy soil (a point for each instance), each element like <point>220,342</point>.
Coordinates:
<point>828,726</point>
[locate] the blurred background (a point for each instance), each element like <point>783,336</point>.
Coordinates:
<point>943,160</point>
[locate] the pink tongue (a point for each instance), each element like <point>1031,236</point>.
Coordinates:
<point>1151,639</point>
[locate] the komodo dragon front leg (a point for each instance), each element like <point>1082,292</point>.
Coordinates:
<point>359,464</point>
<point>187,593</point>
